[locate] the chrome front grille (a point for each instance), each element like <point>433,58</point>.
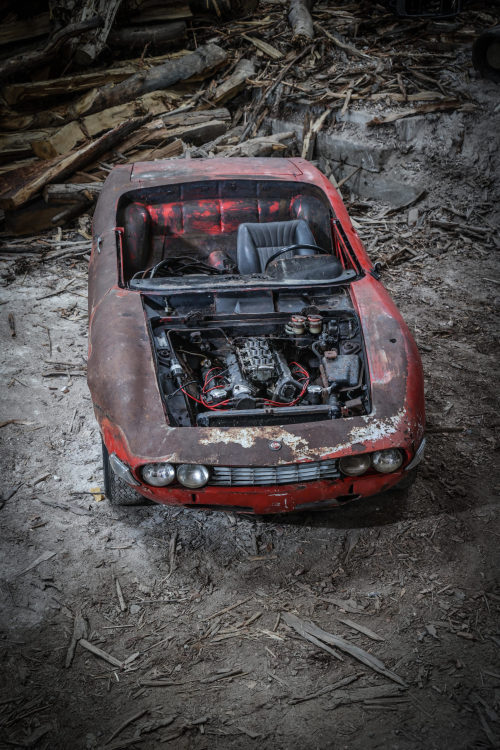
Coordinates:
<point>259,476</point>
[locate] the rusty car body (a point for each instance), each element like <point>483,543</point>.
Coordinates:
<point>243,352</point>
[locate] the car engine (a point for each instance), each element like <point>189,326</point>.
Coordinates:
<point>307,367</point>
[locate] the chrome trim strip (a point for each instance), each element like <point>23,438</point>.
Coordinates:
<point>417,458</point>
<point>122,470</point>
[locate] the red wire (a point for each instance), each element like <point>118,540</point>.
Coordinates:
<point>203,403</point>
<point>207,374</point>
<point>268,402</point>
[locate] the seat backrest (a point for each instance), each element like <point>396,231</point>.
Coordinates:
<point>256,243</point>
<point>136,238</point>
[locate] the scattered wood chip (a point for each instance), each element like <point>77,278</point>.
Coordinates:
<point>126,723</point>
<point>264,47</point>
<point>100,653</point>
<point>40,559</point>
<point>79,632</point>
<point>361,629</point>
<point>228,609</point>
<point>424,109</point>
<point>119,594</point>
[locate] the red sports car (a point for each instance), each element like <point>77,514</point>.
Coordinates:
<point>243,353</point>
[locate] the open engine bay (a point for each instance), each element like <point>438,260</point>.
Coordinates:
<point>293,358</point>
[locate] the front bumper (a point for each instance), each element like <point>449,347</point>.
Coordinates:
<point>319,495</point>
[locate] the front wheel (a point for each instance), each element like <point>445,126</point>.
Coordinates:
<point>116,490</point>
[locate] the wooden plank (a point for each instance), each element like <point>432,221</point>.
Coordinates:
<point>194,127</point>
<point>91,45</point>
<point>18,186</point>
<point>147,11</point>
<point>206,58</point>
<point>27,28</point>
<point>175,148</point>
<point>33,91</point>
<point>423,109</point>
<point>310,631</point>
<point>28,60</point>
<point>201,62</point>
<point>70,192</point>
<point>18,145</point>
<point>139,36</point>
<point>11,166</point>
<point>62,140</point>
<point>244,70</point>
<point>264,47</point>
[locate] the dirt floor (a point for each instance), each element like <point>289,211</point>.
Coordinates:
<point>204,656</point>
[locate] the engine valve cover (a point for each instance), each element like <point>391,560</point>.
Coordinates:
<point>256,360</point>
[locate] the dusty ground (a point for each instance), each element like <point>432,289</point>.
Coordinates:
<point>420,571</point>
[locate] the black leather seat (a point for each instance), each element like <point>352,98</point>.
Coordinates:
<point>257,242</point>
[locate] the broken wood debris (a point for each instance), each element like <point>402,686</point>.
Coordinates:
<point>19,186</point>
<point>79,632</point>
<point>244,70</point>
<point>313,633</point>
<point>47,555</point>
<point>129,720</point>
<point>28,60</point>
<point>423,109</point>
<point>204,60</point>
<point>325,690</point>
<point>100,653</point>
<point>300,20</point>
<point>98,102</point>
<point>361,629</point>
<point>119,593</point>
<point>138,36</point>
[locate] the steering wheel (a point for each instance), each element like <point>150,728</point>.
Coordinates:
<point>299,246</point>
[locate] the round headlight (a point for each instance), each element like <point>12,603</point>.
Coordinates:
<point>192,475</point>
<point>387,461</point>
<point>354,466</point>
<point>158,475</point>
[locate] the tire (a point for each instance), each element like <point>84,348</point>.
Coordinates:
<point>486,54</point>
<point>116,490</point>
<point>407,481</point>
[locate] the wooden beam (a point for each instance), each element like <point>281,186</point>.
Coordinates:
<point>19,185</point>
<point>155,11</point>
<point>205,59</point>
<point>194,127</point>
<point>56,141</point>
<point>18,145</point>
<point>300,20</point>
<point>234,84</point>
<point>28,60</point>
<point>71,192</point>
<point>33,91</point>
<point>92,44</point>
<point>139,36</point>
<point>200,63</point>
<point>27,28</point>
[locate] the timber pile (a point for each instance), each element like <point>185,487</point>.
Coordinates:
<point>205,78</point>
